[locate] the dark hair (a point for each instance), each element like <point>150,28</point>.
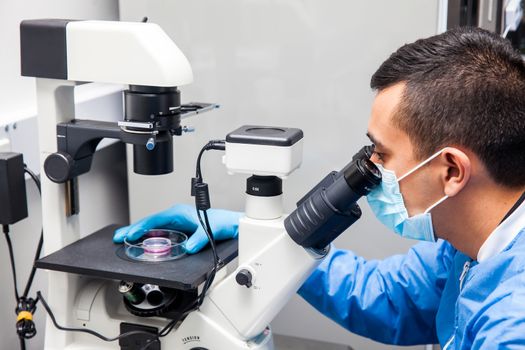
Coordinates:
<point>465,87</point>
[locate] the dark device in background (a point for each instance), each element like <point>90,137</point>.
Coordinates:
<point>13,201</point>
<point>486,14</point>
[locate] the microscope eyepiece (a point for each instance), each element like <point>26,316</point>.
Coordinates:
<point>363,176</point>
<point>364,153</point>
<point>331,207</point>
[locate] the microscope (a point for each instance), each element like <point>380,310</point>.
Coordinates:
<point>94,288</point>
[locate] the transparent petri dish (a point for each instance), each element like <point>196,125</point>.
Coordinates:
<point>157,245</point>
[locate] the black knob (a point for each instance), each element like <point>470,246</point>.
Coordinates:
<point>59,166</point>
<point>244,278</point>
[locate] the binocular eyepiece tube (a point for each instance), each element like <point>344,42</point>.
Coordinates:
<point>330,208</point>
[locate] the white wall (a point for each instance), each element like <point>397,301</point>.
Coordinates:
<point>18,105</point>
<point>300,63</point>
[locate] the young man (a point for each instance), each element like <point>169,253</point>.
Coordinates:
<point>448,125</point>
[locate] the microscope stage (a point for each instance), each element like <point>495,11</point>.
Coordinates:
<point>96,255</point>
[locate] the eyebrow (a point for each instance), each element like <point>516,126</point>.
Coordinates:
<point>374,140</point>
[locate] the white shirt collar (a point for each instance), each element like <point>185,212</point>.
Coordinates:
<point>505,233</point>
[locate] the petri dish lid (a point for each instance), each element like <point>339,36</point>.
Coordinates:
<point>157,245</point>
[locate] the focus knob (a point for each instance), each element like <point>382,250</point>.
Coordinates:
<point>244,278</point>
<point>59,166</point>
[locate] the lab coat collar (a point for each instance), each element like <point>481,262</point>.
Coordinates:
<point>503,235</point>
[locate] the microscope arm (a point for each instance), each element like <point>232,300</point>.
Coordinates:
<point>77,142</point>
<point>273,275</point>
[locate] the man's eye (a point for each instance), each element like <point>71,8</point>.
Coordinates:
<point>379,156</point>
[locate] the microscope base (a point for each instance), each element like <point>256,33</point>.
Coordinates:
<point>98,307</point>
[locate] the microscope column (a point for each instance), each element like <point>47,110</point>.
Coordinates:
<point>55,103</point>
<point>272,267</point>
<point>264,214</point>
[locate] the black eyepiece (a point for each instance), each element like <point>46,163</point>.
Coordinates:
<point>331,206</point>
<point>364,153</point>
<point>363,176</point>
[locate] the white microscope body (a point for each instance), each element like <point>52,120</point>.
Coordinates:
<point>271,266</point>
<point>276,253</point>
<point>236,312</point>
<point>232,316</point>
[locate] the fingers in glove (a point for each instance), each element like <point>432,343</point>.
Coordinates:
<point>197,241</point>
<point>179,217</point>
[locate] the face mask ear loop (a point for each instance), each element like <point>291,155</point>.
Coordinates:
<point>421,164</point>
<point>436,204</point>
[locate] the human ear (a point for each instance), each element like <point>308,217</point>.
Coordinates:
<point>456,170</point>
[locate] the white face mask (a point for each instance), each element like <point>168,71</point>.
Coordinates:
<point>387,204</point>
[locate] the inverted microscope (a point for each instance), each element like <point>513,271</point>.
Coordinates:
<point>95,286</point>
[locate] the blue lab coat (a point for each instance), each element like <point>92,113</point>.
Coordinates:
<point>432,294</point>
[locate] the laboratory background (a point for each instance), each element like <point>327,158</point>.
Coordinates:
<point>302,64</point>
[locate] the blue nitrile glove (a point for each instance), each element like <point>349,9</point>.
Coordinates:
<point>182,217</point>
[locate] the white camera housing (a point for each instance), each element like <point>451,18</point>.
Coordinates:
<point>263,150</point>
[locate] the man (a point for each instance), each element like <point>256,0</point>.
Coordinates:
<point>448,125</point>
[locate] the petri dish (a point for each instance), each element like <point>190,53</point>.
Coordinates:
<point>157,245</point>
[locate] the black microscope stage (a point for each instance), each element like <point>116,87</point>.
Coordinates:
<point>96,255</point>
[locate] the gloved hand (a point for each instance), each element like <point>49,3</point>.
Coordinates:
<point>182,217</point>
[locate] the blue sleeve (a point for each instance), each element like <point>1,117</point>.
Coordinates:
<point>393,301</point>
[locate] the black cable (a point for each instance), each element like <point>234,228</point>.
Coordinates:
<point>25,326</point>
<point>5,229</point>
<point>25,308</point>
<point>40,241</point>
<point>198,172</point>
<point>214,144</point>
<point>22,343</point>
<point>87,330</point>
<point>34,177</point>
<point>212,243</point>
<point>162,333</point>
<point>33,268</point>
<point>202,203</point>
<point>208,231</point>
<point>211,275</point>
